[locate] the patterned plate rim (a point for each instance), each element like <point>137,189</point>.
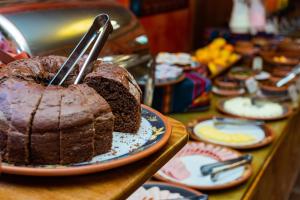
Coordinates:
<point>87,169</point>
<point>246,175</point>
<point>269,135</point>
<point>158,183</point>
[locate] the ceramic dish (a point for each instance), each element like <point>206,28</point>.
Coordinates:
<point>286,111</point>
<point>184,168</point>
<point>170,81</point>
<point>283,59</point>
<point>127,148</point>
<point>161,190</point>
<point>228,92</point>
<point>240,73</point>
<point>226,82</point>
<point>260,135</point>
<point>269,88</point>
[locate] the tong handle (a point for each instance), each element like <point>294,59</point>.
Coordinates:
<point>234,121</point>
<point>214,174</point>
<point>100,30</point>
<point>208,169</point>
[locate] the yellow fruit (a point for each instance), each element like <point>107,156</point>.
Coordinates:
<point>221,62</point>
<point>213,68</point>
<point>233,58</point>
<point>229,47</point>
<point>218,42</point>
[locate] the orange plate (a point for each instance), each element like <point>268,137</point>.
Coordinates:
<point>287,112</point>
<point>97,167</point>
<point>269,135</point>
<point>246,175</point>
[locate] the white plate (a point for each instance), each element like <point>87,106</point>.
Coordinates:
<point>256,132</point>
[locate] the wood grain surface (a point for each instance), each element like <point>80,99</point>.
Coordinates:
<point>113,184</point>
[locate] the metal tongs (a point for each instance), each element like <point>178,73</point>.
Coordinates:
<point>98,32</point>
<point>233,121</point>
<point>215,169</point>
<point>289,76</point>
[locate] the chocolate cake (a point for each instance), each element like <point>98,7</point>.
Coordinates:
<point>45,135</point>
<point>116,85</point>
<point>23,98</point>
<point>103,119</point>
<point>42,124</point>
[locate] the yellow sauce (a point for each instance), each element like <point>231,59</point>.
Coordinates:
<point>212,133</point>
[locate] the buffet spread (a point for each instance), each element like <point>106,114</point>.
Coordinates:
<point>248,96</point>
<point>101,124</point>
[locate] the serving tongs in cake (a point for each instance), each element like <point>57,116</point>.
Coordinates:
<point>98,33</point>
<point>215,169</point>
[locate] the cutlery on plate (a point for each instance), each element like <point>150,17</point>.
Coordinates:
<point>215,174</point>
<point>215,169</point>
<point>226,120</point>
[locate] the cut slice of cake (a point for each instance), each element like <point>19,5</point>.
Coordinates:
<point>116,85</point>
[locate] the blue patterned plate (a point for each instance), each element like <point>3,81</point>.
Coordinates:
<point>153,134</point>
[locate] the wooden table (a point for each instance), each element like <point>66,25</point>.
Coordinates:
<point>113,184</point>
<point>275,167</point>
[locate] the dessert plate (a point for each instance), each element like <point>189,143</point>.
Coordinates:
<point>184,168</point>
<point>230,135</point>
<point>127,148</point>
<point>164,191</point>
<point>287,111</point>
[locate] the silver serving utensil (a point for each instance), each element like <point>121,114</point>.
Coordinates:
<point>98,32</point>
<point>226,120</point>
<point>209,168</point>
<point>289,76</point>
<point>215,174</point>
<point>256,101</point>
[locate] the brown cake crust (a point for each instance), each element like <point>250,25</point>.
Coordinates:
<point>5,116</point>
<point>103,119</point>
<point>24,98</point>
<point>45,136</point>
<point>120,90</point>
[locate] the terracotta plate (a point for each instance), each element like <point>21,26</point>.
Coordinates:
<point>263,134</point>
<point>184,168</point>
<point>224,92</point>
<point>287,111</point>
<point>127,148</point>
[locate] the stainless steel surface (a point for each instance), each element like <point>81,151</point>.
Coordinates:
<point>8,27</point>
<point>225,120</point>
<point>100,30</point>
<point>57,30</point>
